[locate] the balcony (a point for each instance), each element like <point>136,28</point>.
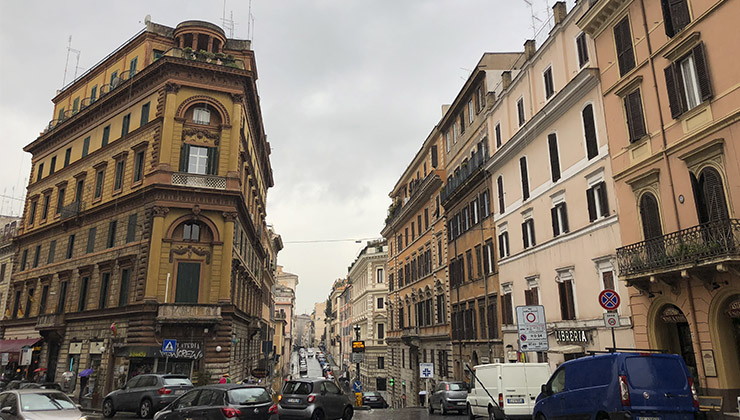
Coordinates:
<point>72,210</point>
<point>50,322</point>
<point>701,245</point>
<point>174,313</point>
<point>199,181</point>
<point>467,172</point>
<point>418,188</point>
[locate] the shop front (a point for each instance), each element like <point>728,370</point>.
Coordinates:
<point>185,360</point>
<point>20,358</point>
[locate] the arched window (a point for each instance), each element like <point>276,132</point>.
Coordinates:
<point>709,196</point>
<point>651,226</point>
<point>589,131</point>
<point>202,116</point>
<point>191,231</point>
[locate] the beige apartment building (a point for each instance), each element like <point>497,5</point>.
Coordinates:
<point>418,298</point>
<point>7,255</point>
<point>369,294</point>
<point>555,208</point>
<point>319,323</point>
<point>670,89</point>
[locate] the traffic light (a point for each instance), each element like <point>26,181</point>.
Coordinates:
<point>392,381</point>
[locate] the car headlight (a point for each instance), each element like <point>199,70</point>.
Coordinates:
<point>82,418</point>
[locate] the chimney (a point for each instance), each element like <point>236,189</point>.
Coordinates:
<point>529,49</point>
<point>506,79</point>
<point>559,12</point>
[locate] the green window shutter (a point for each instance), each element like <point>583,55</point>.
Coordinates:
<point>212,164</point>
<point>184,155</point>
<point>188,282</point>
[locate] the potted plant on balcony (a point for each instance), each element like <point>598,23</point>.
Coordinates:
<point>220,57</point>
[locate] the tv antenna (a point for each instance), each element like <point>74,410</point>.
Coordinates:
<point>228,24</point>
<point>66,65</point>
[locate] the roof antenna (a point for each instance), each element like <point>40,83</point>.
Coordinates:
<point>228,24</point>
<point>66,65</point>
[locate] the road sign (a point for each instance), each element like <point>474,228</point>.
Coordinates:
<point>357,357</point>
<point>532,328</point>
<point>169,346</point>
<point>426,370</point>
<point>357,386</point>
<point>609,299</point>
<point>611,319</point>
<point>358,346</point>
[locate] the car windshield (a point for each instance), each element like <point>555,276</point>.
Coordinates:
<point>456,387</point>
<point>46,401</point>
<point>177,381</point>
<point>242,396</point>
<point>294,387</point>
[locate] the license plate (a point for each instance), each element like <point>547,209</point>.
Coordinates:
<point>179,391</point>
<point>461,403</point>
<point>293,400</point>
<point>372,399</point>
<point>648,418</point>
<point>515,400</point>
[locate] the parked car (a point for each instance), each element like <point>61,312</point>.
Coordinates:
<point>619,385</point>
<point>221,402</point>
<point>146,394</point>
<point>514,386</point>
<point>38,404</point>
<point>448,396</point>
<point>374,399</point>
<point>315,399</point>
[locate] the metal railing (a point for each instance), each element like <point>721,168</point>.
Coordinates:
<point>466,172</point>
<point>72,209</point>
<point>199,181</point>
<point>694,245</point>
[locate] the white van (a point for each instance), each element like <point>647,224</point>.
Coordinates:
<point>515,387</point>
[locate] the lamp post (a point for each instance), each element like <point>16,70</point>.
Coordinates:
<point>357,337</point>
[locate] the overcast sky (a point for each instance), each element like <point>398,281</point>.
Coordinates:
<point>349,91</point>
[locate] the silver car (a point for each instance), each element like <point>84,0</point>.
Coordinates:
<point>38,404</point>
<point>449,396</point>
<point>315,399</point>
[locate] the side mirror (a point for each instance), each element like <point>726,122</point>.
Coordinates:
<point>7,410</point>
<point>545,390</point>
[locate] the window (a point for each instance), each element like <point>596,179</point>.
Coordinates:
<point>471,111</point>
<point>480,98</point>
<point>132,67</point>
<point>607,278</point>
<point>426,218</point>
<point>469,263</point>
<point>488,257</point>
<point>623,43</point>
<point>67,156</point>
<point>447,140</point>
<point>76,105</point>
<point>528,233</point>
<point>144,114</point>
<point>53,165</point>
<point>650,216</point>
<point>111,234</point>
<point>709,196</point>
<point>520,111</point>
<point>462,122</point>
<point>91,239</point>
<point>24,259</point>
<point>201,116</point>
<point>507,309</point>
<point>93,93</point>
<point>125,124</point>
<point>635,117</point>
<point>139,166</point>
<point>199,160</point>
<point>29,301</point>
<point>188,282</point>
<point>44,298</point>
<point>380,303</point>
<point>123,292</point>
<point>475,215</point>
<point>439,252</point>
<point>104,285</point>
<point>549,86</point>
<point>40,173</point>
<point>60,200</point>
<point>418,224</point>
<point>79,190</point>
<point>552,144</point>
<point>191,232</point>
<point>435,159</point>
<point>687,81</point>
<point>61,115</point>
<point>455,130</point>
<point>85,146</point>
<point>675,16</point>
<point>62,297</point>
<point>118,182</point>
<point>131,228</point>
<point>379,275</point>
<point>498,135</point>
<point>503,245</point>
<point>114,79</point>
<point>50,258</point>
<point>37,256</point>
<point>525,177</point>
<point>531,296</point>
<point>381,362</point>
<point>479,261</point>
<point>32,212</point>
<point>441,311</point>
<point>413,232</point>
<point>485,204</point>
<point>598,204</point>
<point>582,49</point>
<point>559,219</point>
<point>84,284</point>
<point>589,131</point>
<point>567,304</point>
<point>70,246</point>
<point>45,209</point>
<point>99,183</point>
<point>106,136</point>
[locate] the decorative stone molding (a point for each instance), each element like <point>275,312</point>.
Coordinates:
<point>237,97</point>
<point>187,103</point>
<point>230,216</point>
<point>200,133</point>
<point>160,211</point>
<point>190,250</point>
<point>171,87</point>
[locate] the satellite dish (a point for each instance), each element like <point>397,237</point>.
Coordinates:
<point>147,19</point>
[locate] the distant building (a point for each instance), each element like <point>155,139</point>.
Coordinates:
<point>320,323</point>
<point>9,228</point>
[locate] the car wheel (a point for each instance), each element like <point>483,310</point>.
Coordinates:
<point>317,415</point>
<point>471,416</point>
<point>431,409</point>
<point>348,412</point>
<point>540,417</point>
<point>442,408</point>
<point>108,410</point>
<point>145,409</point>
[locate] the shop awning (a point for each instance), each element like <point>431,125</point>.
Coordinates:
<point>14,346</point>
<point>567,349</point>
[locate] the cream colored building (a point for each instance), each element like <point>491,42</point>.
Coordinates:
<point>554,202</point>
<point>369,293</point>
<point>319,323</point>
<point>7,253</point>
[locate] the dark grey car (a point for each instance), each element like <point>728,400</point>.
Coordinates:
<point>315,399</point>
<point>449,396</point>
<point>146,394</point>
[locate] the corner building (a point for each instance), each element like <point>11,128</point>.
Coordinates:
<point>418,289</point>
<point>672,99</point>
<point>145,216</point>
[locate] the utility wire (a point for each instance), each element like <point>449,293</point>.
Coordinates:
<point>315,241</point>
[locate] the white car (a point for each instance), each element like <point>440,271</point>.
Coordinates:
<point>310,352</point>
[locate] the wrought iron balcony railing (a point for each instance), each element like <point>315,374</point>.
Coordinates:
<point>72,209</point>
<point>466,172</point>
<point>200,181</point>
<point>696,245</point>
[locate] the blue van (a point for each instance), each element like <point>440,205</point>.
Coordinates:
<point>636,386</point>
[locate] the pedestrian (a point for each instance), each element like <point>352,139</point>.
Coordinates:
<point>403,400</point>
<point>225,379</point>
<point>83,386</point>
<point>422,397</point>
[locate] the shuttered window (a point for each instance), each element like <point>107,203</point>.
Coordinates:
<point>500,186</point>
<point>582,49</point>
<point>528,239</point>
<point>567,304</point>
<point>598,203</point>
<point>199,160</point>
<point>675,16</point>
<point>123,290</point>
<point>520,111</point>
<point>709,196</point>
<point>525,177</point>
<point>687,81</point>
<point>589,131</point>
<point>635,116</point>
<point>531,297</point>
<point>83,294</point>
<point>131,228</point>
<point>549,85</point>
<point>498,135</point>
<point>623,42</point>
<point>650,215</point>
<point>507,313</point>
<point>552,144</point>
<point>188,282</point>
<point>503,245</point>
<point>434,156</point>
<point>104,286</point>
<point>559,215</point>
<point>91,240</point>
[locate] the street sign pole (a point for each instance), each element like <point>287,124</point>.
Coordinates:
<point>614,339</point>
<point>609,300</point>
